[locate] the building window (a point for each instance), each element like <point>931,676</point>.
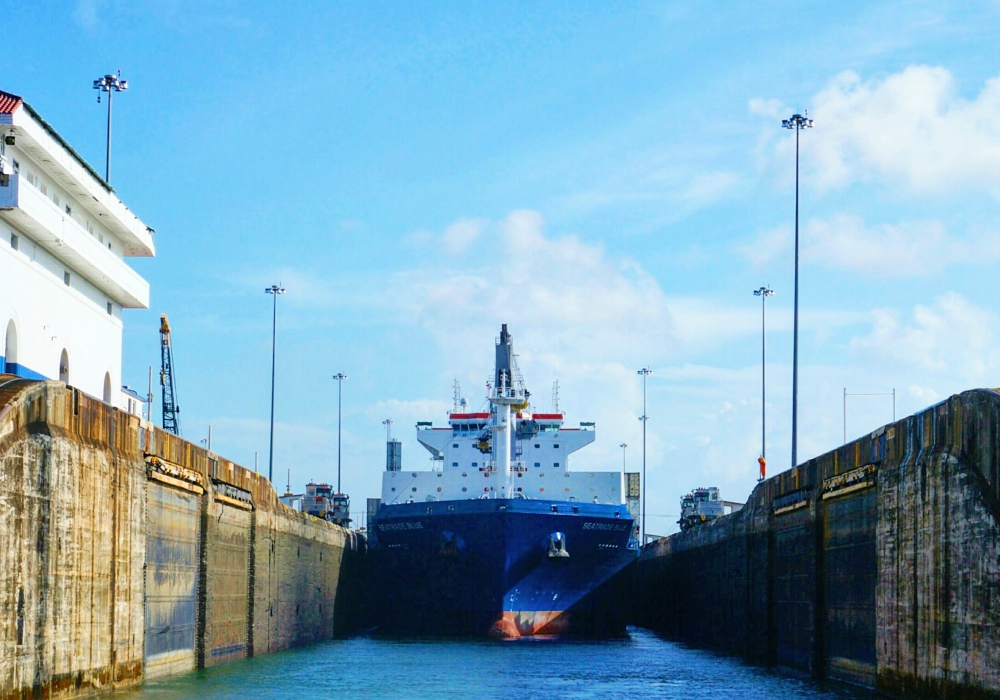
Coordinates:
<point>13,241</point>
<point>454,464</point>
<point>455,445</point>
<point>537,446</point>
<point>538,464</point>
<point>66,278</point>
<point>556,446</point>
<point>555,464</point>
<point>475,464</point>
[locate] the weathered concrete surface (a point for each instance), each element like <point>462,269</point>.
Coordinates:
<point>877,563</point>
<point>128,553</point>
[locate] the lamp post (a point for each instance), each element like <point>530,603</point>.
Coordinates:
<point>644,372</point>
<point>109,84</point>
<point>763,293</point>
<point>275,290</point>
<point>798,123</point>
<point>340,377</point>
<point>623,446</point>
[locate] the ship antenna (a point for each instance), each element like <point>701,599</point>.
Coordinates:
<point>388,429</point>
<point>555,396</point>
<point>458,395</point>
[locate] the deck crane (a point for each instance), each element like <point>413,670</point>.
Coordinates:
<point>171,422</point>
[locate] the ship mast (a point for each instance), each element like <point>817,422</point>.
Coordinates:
<point>507,391</point>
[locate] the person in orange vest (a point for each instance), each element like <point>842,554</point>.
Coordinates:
<point>763,468</point>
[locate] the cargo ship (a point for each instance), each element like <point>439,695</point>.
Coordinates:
<point>499,537</point>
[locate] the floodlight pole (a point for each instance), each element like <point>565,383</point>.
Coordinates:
<point>763,293</point>
<point>644,372</point>
<point>797,122</point>
<point>110,84</point>
<point>340,377</point>
<point>275,290</point>
<point>623,446</point>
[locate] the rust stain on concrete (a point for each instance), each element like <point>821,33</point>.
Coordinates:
<point>115,568</point>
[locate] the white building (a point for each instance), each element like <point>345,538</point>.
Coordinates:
<point>64,237</point>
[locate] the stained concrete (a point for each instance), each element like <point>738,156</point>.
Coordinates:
<point>129,553</point>
<point>877,563</point>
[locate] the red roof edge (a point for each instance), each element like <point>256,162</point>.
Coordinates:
<point>9,102</point>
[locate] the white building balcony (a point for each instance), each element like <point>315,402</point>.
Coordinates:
<point>65,166</point>
<point>38,217</point>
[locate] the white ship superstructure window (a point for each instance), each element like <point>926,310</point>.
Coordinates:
<point>14,241</point>
<point>555,464</point>
<point>66,277</point>
<point>110,308</point>
<point>454,464</point>
<point>538,464</point>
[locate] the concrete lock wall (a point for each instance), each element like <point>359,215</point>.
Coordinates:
<point>877,563</point>
<point>128,553</point>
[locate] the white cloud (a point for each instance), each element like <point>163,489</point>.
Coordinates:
<point>910,126</point>
<point>561,292</point>
<point>461,234</point>
<point>710,187</point>
<point>952,338</point>
<point>847,243</point>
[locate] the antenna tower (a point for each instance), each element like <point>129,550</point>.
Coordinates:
<point>555,396</point>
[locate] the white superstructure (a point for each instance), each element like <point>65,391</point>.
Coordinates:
<point>506,452</point>
<point>64,237</point>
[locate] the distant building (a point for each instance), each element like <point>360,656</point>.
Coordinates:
<point>64,237</point>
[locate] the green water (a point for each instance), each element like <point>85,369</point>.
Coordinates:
<point>640,666</point>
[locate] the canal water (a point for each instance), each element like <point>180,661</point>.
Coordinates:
<point>642,665</point>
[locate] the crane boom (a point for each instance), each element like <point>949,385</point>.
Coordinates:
<point>171,421</point>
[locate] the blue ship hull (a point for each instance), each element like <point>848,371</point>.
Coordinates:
<point>487,567</point>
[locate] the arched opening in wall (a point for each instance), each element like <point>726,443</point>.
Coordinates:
<point>107,387</point>
<point>10,349</point>
<point>64,366</point>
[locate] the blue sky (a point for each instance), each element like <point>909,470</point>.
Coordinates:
<point>610,179</point>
